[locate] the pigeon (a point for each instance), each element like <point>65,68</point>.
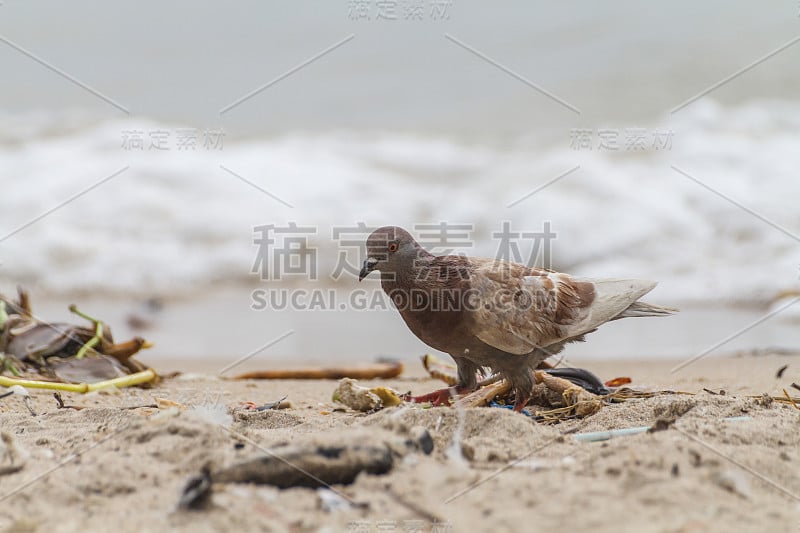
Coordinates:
<point>495,315</point>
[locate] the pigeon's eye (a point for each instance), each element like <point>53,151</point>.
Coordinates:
<point>392,247</point>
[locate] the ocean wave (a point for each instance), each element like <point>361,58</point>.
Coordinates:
<point>175,220</point>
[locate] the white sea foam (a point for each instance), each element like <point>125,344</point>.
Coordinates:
<point>175,221</point>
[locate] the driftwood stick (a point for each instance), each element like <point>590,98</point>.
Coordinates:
<point>585,402</point>
<point>379,371</point>
<point>484,395</point>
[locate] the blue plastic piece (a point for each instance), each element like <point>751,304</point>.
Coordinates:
<point>495,404</point>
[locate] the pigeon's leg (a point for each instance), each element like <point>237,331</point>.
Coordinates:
<point>544,365</point>
<point>467,382</point>
<point>521,379</point>
<point>521,401</point>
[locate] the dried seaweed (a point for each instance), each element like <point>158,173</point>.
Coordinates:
<point>40,352</point>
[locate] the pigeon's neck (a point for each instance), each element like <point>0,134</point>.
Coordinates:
<point>409,271</point>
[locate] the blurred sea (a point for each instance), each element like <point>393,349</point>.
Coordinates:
<point>176,220</point>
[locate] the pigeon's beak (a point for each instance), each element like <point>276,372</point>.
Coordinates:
<point>369,266</point>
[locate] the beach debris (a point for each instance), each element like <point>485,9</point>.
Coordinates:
<point>61,405</point>
<point>12,457</point>
<point>781,370</point>
<point>88,369</point>
<point>375,371</point>
<point>15,389</point>
<point>765,400</point>
<point>565,398</point>
<point>166,403</point>
<point>596,436</point>
<point>580,401</point>
<point>165,415</point>
<point>790,399</point>
<point>549,394</point>
<point>618,382</point>
<point>266,419</point>
<point>389,398</point>
<point>625,393</point>
<point>311,465</point>
<point>440,370</point>
<point>356,397</point>
<point>215,414</point>
<point>283,403</point>
<point>485,395</point>
<point>331,501</point>
<point>734,481</point>
<point>580,377</point>
<point>61,352</point>
<point>196,494</point>
<point>525,411</point>
<point>363,399</point>
<point>18,390</point>
<point>129,380</point>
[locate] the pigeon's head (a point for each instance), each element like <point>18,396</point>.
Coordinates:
<point>389,249</point>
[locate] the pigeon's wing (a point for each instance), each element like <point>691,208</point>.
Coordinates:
<point>518,309</point>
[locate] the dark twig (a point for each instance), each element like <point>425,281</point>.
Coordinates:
<point>60,403</point>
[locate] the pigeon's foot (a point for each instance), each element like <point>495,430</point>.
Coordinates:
<point>520,402</point>
<point>439,397</point>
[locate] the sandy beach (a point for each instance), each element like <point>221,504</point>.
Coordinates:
<point>210,190</point>
<point>729,462</point>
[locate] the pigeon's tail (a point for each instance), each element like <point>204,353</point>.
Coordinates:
<point>619,298</point>
<point>645,309</point>
<point>613,299</point>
